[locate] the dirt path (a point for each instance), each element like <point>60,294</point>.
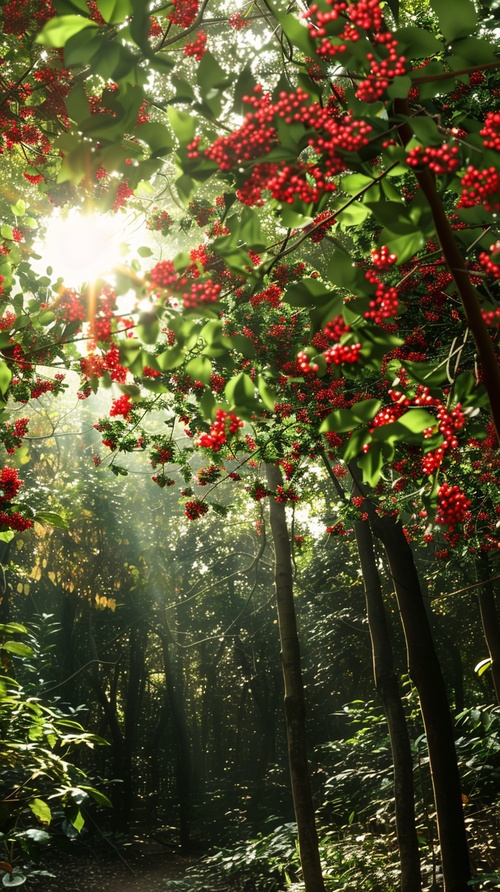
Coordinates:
<point>138,869</point>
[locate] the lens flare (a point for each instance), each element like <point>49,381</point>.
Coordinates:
<point>81,247</point>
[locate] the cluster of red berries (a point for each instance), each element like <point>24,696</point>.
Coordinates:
<point>480,187</point>
<point>72,308</point>
<point>259,134</point>
<point>285,495</point>
<point>339,353</point>
<point>201,293</point>
<point>385,304</point>
<point>9,484</point>
<point>491,131</point>
<point>160,221</point>
<point>381,72</point>
<point>160,455</point>
<point>11,435</point>
<point>184,12</point>
<point>198,47</point>
<point>208,475</point>
<point>382,258</point>
<point>490,265</point>
<point>440,159</point>
<point>225,425</point>
<point>271,296</point>
<point>195,509</point>
<point>492,317</point>
<point>321,226</point>
<point>122,406</point>
<point>123,192</point>
<point>15,521</point>
<point>238,21</point>
<point>453,506</point>
<point>339,529</point>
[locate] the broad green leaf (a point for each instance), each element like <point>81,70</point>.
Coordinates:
<point>7,535</point>
<point>5,378</point>
<point>52,519</point>
<point>344,420</point>
<point>19,648</point>
<point>297,33</point>
<point>199,369</point>
<point>342,272</point>
<point>115,11</point>
<point>6,231</point>
<point>456,19</point>
<point>183,124</point>
<point>41,810</point>
<point>416,43</point>
<point>19,208</point>
<point>97,795</point>
<point>12,629</point>
<point>77,104</point>
<point>417,420</point>
<point>267,393</point>
<point>157,136</point>
<point>240,389</point>
<point>59,29</point>
<point>210,76</point>
<point>307,293</point>
<point>148,328</point>
<point>371,463</point>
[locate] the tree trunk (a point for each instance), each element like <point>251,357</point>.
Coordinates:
<point>295,712</point>
<point>182,745</point>
<point>490,621</point>
<point>425,671</point>
<point>387,685</point>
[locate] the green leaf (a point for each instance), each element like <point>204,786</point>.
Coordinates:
<point>6,231</point>
<point>200,369</point>
<point>210,76</point>
<point>417,420</point>
<point>78,821</point>
<point>7,535</point>
<point>344,420</point>
<point>52,519</point>
<point>183,124</point>
<point>297,33</point>
<point>456,19</point>
<point>5,378</point>
<point>157,136</point>
<point>267,394</point>
<point>19,648</point>
<point>13,629</point>
<point>97,795</point>
<point>19,208</point>
<point>371,463</point>
<point>148,328</point>
<point>114,11</point>
<point>416,43</point>
<point>41,810</point>
<point>59,29</point>
<point>483,666</point>
<point>342,272</point>
<point>307,293</point>
<point>240,389</point>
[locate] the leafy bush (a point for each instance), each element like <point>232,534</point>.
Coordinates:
<point>42,789</point>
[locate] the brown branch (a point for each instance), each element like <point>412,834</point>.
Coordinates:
<point>448,75</point>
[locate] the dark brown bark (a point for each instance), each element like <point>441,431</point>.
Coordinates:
<point>490,622</point>
<point>458,268</point>
<point>387,685</point>
<point>295,710</point>
<point>425,672</point>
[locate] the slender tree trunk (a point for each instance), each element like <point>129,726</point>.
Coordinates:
<point>387,685</point>
<point>182,745</point>
<point>425,671</point>
<point>490,621</point>
<point>295,711</point>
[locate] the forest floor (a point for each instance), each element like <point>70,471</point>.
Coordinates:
<point>142,866</point>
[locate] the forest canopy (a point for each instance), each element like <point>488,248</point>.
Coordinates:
<point>249,264</point>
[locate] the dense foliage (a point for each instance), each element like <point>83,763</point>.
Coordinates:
<point>310,283</point>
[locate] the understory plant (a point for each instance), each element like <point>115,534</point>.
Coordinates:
<point>44,794</point>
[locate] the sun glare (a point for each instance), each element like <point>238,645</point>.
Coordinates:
<point>81,247</point>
